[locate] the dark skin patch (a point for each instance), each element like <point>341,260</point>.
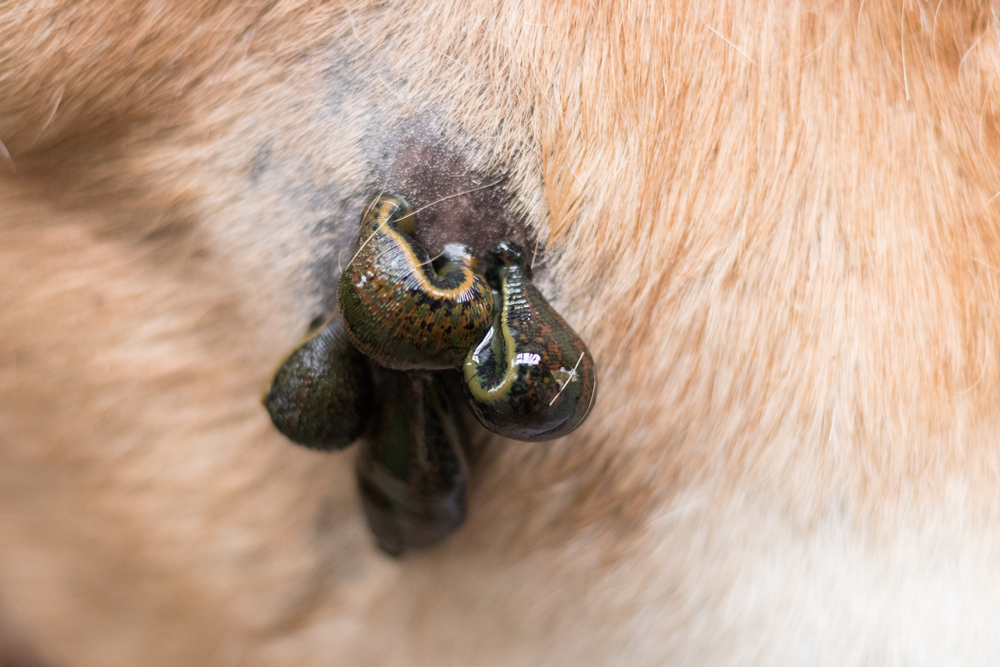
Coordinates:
<point>261,162</point>
<point>412,160</point>
<point>417,165</point>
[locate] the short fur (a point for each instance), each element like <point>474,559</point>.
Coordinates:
<point>776,225</point>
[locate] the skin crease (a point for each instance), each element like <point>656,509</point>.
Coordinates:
<point>774,224</point>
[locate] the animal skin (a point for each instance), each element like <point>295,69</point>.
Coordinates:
<point>775,225</point>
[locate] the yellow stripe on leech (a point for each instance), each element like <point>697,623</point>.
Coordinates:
<point>499,392</point>
<point>418,270</point>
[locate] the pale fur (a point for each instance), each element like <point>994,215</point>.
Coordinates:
<point>775,224</point>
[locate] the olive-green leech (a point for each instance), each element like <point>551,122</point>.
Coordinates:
<point>412,473</point>
<point>321,394</point>
<point>532,377</point>
<point>398,308</point>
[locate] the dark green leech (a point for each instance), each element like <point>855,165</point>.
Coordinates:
<point>321,394</point>
<point>412,472</point>
<point>401,311</point>
<point>532,377</point>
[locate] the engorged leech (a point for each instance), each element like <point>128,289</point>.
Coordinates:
<point>411,469</point>
<point>532,377</point>
<point>526,374</point>
<point>401,310</point>
<point>321,395</point>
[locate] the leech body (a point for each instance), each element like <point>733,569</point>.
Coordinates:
<point>398,309</point>
<point>527,374</point>
<point>321,394</point>
<point>411,470</point>
<point>532,377</point>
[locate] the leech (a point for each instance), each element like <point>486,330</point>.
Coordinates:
<point>515,378</point>
<point>399,309</point>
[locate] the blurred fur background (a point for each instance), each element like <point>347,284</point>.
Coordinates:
<point>775,224</point>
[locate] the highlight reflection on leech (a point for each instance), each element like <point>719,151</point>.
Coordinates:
<point>533,377</point>
<point>527,374</point>
<point>399,310</point>
<point>424,207</point>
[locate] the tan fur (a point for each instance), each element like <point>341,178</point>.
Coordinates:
<point>775,224</point>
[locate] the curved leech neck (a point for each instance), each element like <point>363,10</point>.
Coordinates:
<point>405,223</point>
<point>455,257</point>
<point>408,218</point>
<point>400,225</point>
<point>511,370</point>
<point>506,258</point>
<point>506,272</point>
<point>398,218</point>
<point>368,231</point>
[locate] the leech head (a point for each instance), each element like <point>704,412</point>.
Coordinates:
<point>506,254</point>
<point>387,211</point>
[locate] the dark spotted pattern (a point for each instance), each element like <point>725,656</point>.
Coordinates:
<point>529,376</point>
<point>402,310</point>
<point>321,395</point>
<point>412,472</point>
<point>532,377</point>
